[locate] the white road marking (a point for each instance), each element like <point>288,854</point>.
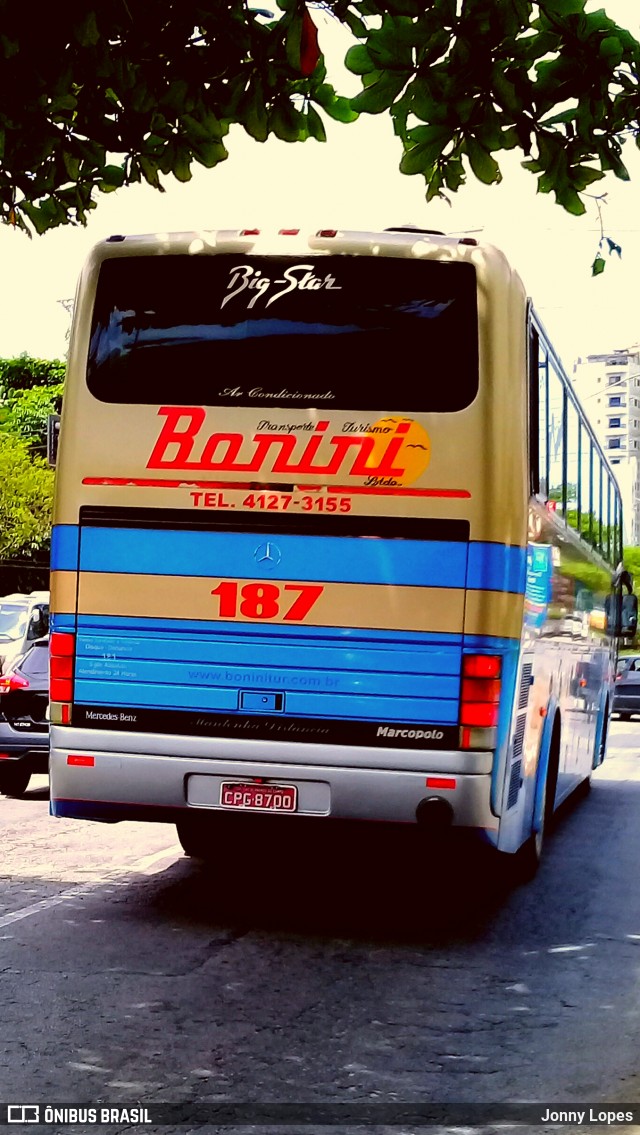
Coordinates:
<point>148,865</point>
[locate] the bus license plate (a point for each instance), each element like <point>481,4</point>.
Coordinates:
<point>259,797</point>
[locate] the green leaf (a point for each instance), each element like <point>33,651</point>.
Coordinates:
<point>86,32</point>
<point>391,46</point>
<point>440,135</point>
<point>598,265</point>
<point>454,174</point>
<point>209,154</point>
<point>182,164</point>
<point>356,26</point>
<point>38,219</point>
<point>420,158</point>
<point>570,200</point>
<point>286,122</point>
<point>316,125</point>
<point>557,119</point>
<point>583,176</point>
<point>175,95</point>
<point>149,170</point>
<point>293,42</point>
<point>611,49</point>
<point>63,102</point>
<point>71,165</point>
<point>113,176</point>
<point>194,130</point>
<point>563,7</point>
<point>485,168</point>
<point>435,184</point>
<point>380,96</point>
<point>256,121</point>
<point>423,103</point>
<point>336,106</point>
<point>358,60</point>
<point>10,47</point>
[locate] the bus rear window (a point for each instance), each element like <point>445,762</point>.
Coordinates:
<point>343,332</point>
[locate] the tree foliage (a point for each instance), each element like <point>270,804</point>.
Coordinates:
<point>27,413</point>
<point>30,390</point>
<point>93,97</point>
<point>26,494</point>
<point>26,372</point>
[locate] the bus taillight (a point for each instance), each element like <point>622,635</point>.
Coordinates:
<point>62,648</point>
<point>480,700</point>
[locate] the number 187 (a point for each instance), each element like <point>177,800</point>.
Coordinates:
<point>266,600</point>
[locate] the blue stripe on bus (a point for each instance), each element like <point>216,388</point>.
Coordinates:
<point>108,812</point>
<point>489,642</point>
<point>496,567</point>
<point>64,547</point>
<point>265,632</point>
<point>316,677</point>
<point>228,649</point>
<point>344,706</point>
<point>59,622</point>
<point>491,566</point>
<point>341,559</point>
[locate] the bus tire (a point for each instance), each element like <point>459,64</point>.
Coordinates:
<point>14,781</point>
<point>602,744</point>
<point>529,857</point>
<point>196,834</point>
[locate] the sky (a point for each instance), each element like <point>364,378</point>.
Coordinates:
<point>352,181</point>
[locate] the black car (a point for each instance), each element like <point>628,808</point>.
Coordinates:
<point>626,694</point>
<point>24,721</point>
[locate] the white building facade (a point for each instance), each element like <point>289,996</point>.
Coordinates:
<point>608,387</point>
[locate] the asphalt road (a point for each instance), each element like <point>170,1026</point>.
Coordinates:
<point>373,969</point>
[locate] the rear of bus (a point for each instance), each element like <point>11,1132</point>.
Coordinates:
<point>288,556</point>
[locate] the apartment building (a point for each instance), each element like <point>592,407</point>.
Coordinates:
<point>609,388</point>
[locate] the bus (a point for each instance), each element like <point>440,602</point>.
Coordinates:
<point>333,539</point>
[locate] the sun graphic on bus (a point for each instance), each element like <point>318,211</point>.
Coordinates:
<point>414,454</point>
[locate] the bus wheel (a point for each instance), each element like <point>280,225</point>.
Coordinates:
<point>14,781</point>
<point>529,856</point>
<point>196,834</point>
<point>602,748</point>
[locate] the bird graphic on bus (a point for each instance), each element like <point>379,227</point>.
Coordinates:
<point>416,438</point>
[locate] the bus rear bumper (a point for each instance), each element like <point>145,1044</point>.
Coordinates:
<point>109,786</point>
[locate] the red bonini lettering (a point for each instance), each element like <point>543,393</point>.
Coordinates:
<point>265,442</point>
<point>271,453</point>
<point>233,443</point>
<point>171,435</point>
<point>386,467</point>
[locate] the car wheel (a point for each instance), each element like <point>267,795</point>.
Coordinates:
<point>14,781</point>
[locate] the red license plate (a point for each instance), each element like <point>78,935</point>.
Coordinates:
<point>259,797</point>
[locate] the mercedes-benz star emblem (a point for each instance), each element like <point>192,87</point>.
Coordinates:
<point>268,553</point>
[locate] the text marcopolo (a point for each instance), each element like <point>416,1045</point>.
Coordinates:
<point>417,734</point>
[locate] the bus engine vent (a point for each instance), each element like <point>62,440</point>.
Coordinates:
<point>525,685</point>
<point>514,783</point>
<point>518,736</point>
